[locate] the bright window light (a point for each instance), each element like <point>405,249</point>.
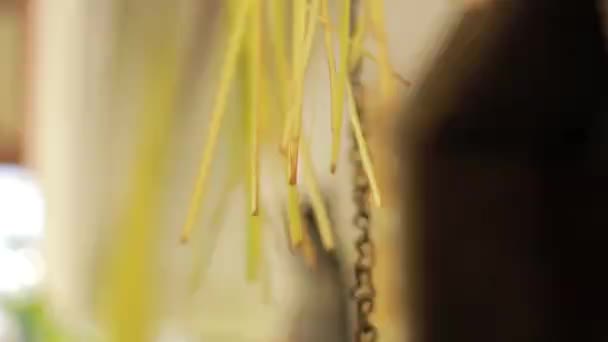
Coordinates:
<point>21,205</point>
<point>21,227</point>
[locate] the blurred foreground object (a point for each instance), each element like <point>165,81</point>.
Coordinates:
<point>11,79</point>
<point>505,178</point>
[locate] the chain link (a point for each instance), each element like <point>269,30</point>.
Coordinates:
<point>363,292</point>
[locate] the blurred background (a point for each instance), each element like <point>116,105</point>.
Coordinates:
<point>73,78</point>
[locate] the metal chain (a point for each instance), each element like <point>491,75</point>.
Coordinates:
<point>363,293</point>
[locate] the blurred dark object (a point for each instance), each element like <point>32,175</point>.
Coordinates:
<point>505,166</point>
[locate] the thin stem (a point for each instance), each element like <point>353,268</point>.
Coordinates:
<point>362,145</point>
<point>228,70</point>
<point>316,200</point>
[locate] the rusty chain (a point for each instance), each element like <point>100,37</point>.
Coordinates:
<point>363,292</point>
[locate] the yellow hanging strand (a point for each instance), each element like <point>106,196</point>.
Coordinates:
<point>295,217</point>
<point>293,127</point>
<point>256,92</point>
<point>363,149</point>
<point>375,9</point>
<point>316,200</point>
<point>228,70</point>
<point>254,89</point>
<point>340,82</point>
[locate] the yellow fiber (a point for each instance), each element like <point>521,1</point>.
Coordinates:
<point>357,42</point>
<point>254,87</point>
<point>363,149</point>
<point>228,70</point>
<point>292,161</point>
<point>236,167</point>
<point>277,31</point>
<point>308,251</point>
<point>294,216</point>
<point>340,81</point>
<point>316,200</point>
<point>298,36</point>
<point>331,66</point>
<point>254,247</point>
<point>287,124</point>
<point>129,290</point>
<point>376,12</point>
<point>367,54</point>
<point>294,123</point>
<point>265,283</point>
<point>311,29</point>
<point>202,252</point>
<point>301,57</point>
